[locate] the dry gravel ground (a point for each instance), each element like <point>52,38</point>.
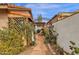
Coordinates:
<point>39,49</point>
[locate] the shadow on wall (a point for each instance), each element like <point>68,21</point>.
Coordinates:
<point>68,30</point>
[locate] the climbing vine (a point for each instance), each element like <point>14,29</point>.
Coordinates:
<point>50,35</point>
<point>51,39</point>
<point>11,39</point>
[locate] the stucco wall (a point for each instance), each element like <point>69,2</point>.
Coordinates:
<point>3,19</point>
<point>68,30</point>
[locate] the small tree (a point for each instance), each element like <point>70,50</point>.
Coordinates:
<point>40,18</point>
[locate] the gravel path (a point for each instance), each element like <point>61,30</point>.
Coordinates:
<point>39,49</point>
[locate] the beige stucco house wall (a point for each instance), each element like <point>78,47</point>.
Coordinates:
<point>3,19</point>
<point>68,30</point>
<point>11,11</point>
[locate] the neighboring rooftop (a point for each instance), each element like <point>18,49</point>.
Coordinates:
<point>12,7</point>
<point>66,13</point>
<point>61,16</point>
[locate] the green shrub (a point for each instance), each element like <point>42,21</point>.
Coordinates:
<point>11,42</point>
<point>75,49</point>
<point>4,50</point>
<point>50,35</point>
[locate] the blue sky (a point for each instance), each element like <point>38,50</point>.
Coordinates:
<point>48,10</point>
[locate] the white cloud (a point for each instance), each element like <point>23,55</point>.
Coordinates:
<point>43,6</point>
<point>30,5</point>
<point>49,9</point>
<point>49,6</point>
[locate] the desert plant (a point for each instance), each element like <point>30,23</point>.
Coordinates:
<point>24,28</point>
<point>11,41</point>
<point>75,49</point>
<point>50,35</point>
